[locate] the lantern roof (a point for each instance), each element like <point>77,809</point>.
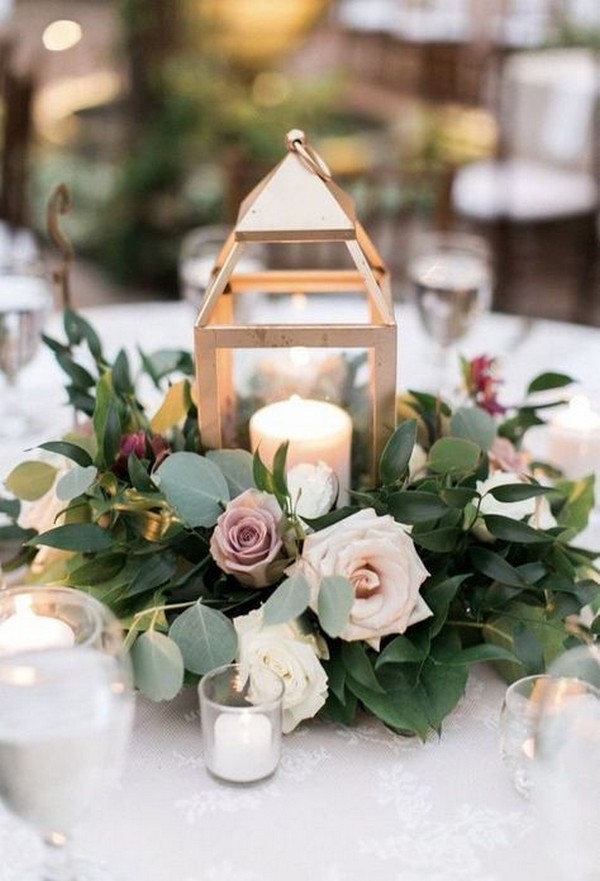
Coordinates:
<point>294,202</point>
<point>298,202</point>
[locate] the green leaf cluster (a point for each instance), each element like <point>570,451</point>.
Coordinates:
<point>139,508</point>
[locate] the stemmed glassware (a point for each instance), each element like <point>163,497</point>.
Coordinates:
<point>66,713</point>
<point>199,251</point>
<point>566,774</point>
<point>25,301</point>
<point>451,283</point>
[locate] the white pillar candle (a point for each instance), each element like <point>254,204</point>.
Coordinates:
<point>574,439</point>
<point>28,631</point>
<point>243,747</point>
<point>318,431</point>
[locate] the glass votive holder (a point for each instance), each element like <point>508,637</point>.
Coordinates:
<point>46,617</point>
<point>241,715</point>
<point>518,718</point>
<point>526,702</point>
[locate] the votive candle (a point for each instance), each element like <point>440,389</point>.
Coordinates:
<point>317,431</point>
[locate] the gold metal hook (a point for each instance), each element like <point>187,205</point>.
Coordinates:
<point>296,143</point>
<point>60,202</point>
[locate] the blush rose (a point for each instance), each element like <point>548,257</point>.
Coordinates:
<point>246,541</point>
<point>379,559</point>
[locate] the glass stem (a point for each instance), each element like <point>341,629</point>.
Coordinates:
<point>57,859</point>
<point>446,385</point>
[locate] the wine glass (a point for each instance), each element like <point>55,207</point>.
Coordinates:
<point>66,713</point>
<point>25,300</point>
<point>199,251</point>
<point>451,282</point>
<point>567,763</point>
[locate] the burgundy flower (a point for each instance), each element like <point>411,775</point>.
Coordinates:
<point>482,384</point>
<point>154,448</point>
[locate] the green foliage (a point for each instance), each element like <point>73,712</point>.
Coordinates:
<point>138,510</point>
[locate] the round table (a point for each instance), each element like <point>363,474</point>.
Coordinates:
<point>346,803</point>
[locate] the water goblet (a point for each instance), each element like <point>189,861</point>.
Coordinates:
<point>199,251</point>
<point>451,283</point>
<point>25,301</point>
<point>66,715</point>
<point>567,763</point>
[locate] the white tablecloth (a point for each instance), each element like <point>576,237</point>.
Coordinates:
<point>345,804</point>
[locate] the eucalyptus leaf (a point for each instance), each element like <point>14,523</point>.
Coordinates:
<point>206,637</point>
<point>336,598</point>
<point>31,480</point>
<point>236,467</point>
<point>454,455</point>
<point>288,601</point>
<point>75,482</point>
<point>194,486</point>
<point>474,424</point>
<point>157,665</point>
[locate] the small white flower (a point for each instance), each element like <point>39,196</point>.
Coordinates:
<point>313,489</point>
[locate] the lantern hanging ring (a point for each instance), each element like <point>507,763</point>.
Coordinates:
<point>296,143</point>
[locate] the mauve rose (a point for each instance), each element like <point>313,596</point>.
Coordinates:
<point>379,558</point>
<point>246,541</point>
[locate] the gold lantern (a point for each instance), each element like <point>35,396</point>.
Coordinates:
<point>296,203</point>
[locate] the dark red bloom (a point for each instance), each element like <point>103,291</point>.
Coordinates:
<point>482,384</point>
<point>152,448</point>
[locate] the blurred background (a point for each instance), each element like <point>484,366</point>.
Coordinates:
<point>470,115</point>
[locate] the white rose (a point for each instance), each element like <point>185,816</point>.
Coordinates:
<point>536,509</point>
<point>291,653</point>
<point>379,558</point>
<point>313,489</point>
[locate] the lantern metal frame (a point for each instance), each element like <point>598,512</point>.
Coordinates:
<point>296,202</point>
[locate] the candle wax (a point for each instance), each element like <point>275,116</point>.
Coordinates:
<point>243,747</point>
<point>574,439</point>
<point>318,431</point>
<point>26,631</point>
